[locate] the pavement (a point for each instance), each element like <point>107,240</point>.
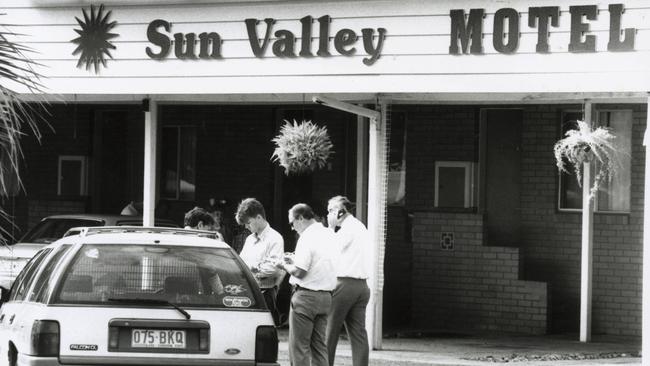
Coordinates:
<point>447,349</point>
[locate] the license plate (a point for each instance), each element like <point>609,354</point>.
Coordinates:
<point>157,338</point>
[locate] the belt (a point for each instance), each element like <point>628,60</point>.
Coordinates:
<point>299,288</point>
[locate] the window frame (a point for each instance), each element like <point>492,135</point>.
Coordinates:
<point>44,281</point>
<point>177,197</point>
<point>596,113</point>
<point>469,196</point>
<point>83,174</point>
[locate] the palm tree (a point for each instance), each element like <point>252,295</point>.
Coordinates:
<point>16,116</point>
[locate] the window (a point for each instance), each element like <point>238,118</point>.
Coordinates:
<point>187,276</point>
<point>178,163</point>
<point>26,276</point>
<point>570,191</point>
<point>44,281</point>
<point>454,184</point>
<point>613,195</point>
<point>72,175</point>
<point>51,229</point>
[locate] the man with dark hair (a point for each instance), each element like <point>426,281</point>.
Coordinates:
<point>312,273</point>
<point>262,249</point>
<point>198,219</point>
<point>351,296</point>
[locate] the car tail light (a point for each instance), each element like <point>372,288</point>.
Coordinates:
<point>266,344</point>
<point>113,338</point>
<point>204,339</point>
<point>45,338</point>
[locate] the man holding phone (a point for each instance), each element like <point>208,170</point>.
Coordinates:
<point>351,295</point>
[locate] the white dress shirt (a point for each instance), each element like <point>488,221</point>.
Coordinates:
<point>314,255</point>
<point>353,243</point>
<point>261,252</point>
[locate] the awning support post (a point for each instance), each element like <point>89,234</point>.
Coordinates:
<point>150,142</point>
<point>586,267</point>
<point>376,205</point>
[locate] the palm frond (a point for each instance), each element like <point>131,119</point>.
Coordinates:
<point>17,117</point>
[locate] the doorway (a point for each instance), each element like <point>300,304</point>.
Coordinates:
<point>501,162</point>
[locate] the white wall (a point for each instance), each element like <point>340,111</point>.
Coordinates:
<point>415,56</point>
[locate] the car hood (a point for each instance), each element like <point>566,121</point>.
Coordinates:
<point>21,250</point>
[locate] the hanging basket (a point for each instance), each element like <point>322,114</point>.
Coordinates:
<point>302,147</point>
<point>586,145</point>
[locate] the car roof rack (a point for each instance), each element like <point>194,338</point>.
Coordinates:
<point>87,231</point>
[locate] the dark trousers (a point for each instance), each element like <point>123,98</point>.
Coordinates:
<point>307,327</point>
<point>349,302</point>
<point>271,297</point>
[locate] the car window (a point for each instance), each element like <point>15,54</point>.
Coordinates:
<point>26,276</point>
<point>49,230</point>
<point>43,282</point>
<point>186,276</point>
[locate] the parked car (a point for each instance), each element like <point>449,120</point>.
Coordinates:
<point>14,257</point>
<point>137,296</point>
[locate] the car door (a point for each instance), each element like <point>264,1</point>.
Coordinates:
<point>12,312</point>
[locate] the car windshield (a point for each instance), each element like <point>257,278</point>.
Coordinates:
<point>181,275</point>
<point>49,230</point>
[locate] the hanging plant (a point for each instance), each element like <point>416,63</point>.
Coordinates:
<point>586,145</point>
<point>302,147</point>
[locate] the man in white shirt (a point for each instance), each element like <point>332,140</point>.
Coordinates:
<point>351,296</point>
<point>312,274</point>
<point>262,249</point>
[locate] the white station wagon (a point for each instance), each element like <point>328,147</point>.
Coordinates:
<point>136,296</point>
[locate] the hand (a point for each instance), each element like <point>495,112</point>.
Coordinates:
<point>288,258</point>
<point>279,263</point>
<point>332,220</point>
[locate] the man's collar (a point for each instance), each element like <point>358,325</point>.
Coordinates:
<point>262,234</point>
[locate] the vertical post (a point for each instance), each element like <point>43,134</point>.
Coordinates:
<point>362,169</point>
<point>587,245</point>
<point>150,142</point>
<point>377,176</point>
<point>373,222</point>
<point>645,299</point>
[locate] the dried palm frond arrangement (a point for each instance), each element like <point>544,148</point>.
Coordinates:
<point>302,147</point>
<point>586,145</point>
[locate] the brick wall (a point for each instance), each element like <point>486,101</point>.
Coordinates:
<point>552,239</point>
<point>435,133</point>
<point>398,264</point>
<point>68,133</point>
<point>549,251</point>
<point>471,287</point>
<point>39,209</point>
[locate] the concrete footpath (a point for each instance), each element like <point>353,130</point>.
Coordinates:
<point>465,350</point>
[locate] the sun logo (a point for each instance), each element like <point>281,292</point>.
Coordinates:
<point>94,38</point>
